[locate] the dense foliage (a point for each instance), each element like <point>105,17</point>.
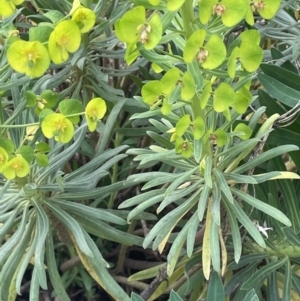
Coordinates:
<point>149,150</point>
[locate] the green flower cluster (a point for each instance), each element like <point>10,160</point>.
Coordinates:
<point>48,41</point>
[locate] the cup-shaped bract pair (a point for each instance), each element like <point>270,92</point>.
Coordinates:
<point>249,53</point>
<point>230,11</point>
<point>94,111</point>
<point>85,19</point>
<point>266,8</point>
<point>14,167</point>
<point>58,126</point>
<point>209,55</point>
<point>64,39</point>
<point>8,7</point>
<point>31,58</point>
<point>133,27</point>
<point>233,11</point>
<point>172,5</point>
<point>225,97</point>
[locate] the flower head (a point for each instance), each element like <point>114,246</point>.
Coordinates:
<point>8,7</point>
<point>58,126</point>
<point>85,19</point>
<point>133,27</point>
<point>64,38</point>
<point>30,58</point>
<point>16,167</point>
<point>94,111</point>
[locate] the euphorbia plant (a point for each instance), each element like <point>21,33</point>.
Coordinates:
<point>209,154</point>
<point>207,149</point>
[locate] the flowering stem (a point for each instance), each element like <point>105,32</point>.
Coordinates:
<point>187,14</point>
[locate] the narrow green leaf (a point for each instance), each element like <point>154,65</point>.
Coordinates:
<point>93,213</point>
<point>266,156</point>
<point>34,285</point>
<point>235,232</point>
<point>109,125</point>
<point>278,90</point>
<point>207,172</point>
<point>52,270</point>
<point>24,264</point>
<point>284,76</point>
<point>245,260</point>
<point>257,279</point>
<point>272,288</point>
<point>146,204</point>
<point>13,261</point>
<point>239,278</point>
<point>215,207</point>
<point>135,297</point>
<point>223,185</point>
<point>138,199</point>
<point>197,149</point>
<point>159,180</point>
<point>174,296</point>
<point>165,224</point>
<point>106,280</point>
<point>105,231</point>
<point>191,235</point>
<point>247,223</point>
<point>147,274</point>
<point>72,225</point>
<point>266,208</point>
<point>215,248</point>
<point>162,141</point>
<point>287,285</point>
<point>14,239</point>
<point>251,296</point>
<point>42,232</point>
<point>176,248</point>
<point>290,196</point>
<point>184,177</point>
<point>203,201</point>
<point>237,178</point>
<point>291,236</point>
<point>215,288</point>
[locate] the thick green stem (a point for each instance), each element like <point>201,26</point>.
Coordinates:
<point>188,16</point>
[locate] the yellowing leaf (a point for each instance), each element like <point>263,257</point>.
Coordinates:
<point>284,175</point>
